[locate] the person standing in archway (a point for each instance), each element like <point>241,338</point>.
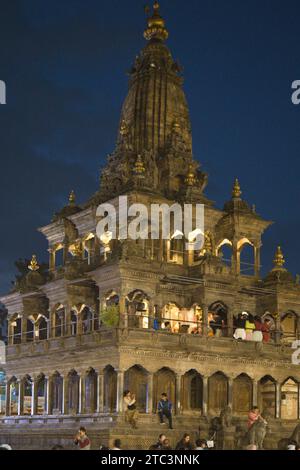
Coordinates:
<point>130,408</point>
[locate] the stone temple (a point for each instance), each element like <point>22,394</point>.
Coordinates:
<point>110,314</point>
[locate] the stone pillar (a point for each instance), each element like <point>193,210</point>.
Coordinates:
<point>10,333</point>
<point>254,393</point>
<point>123,320</point>
<point>230,392</point>
<point>120,390</point>
<point>48,397</point>
<point>235,263</point>
<point>205,396</point>
<point>278,400</point>
<point>100,392</point>
<point>51,259</point>
<point>229,332</point>
<point>257,260</point>
<point>205,320</point>
<point>178,394</point>
<point>67,327</point>
<point>23,329</point>
<point>150,394</point>
<point>34,388</point>
<point>81,404</point>
<point>65,393</point>
<point>7,399</point>
<point>21,397</point>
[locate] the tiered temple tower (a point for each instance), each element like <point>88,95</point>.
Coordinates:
<point>107,314</point>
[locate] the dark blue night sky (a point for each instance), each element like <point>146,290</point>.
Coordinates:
<point>65,62</point>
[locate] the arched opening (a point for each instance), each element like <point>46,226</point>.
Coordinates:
<point>289,326</point>
<point>14,391</point>
<point>29,331</point>
<point>27,395</point>
<point>110,390</point>
<point>217,393</point>
<point>224,251</point>
<point>137,303</point>
<point>2,392</point>
<point>91,391</point>
<point>59,256</point>
<point>41,395</point>
<point>59,321</point>
<point>16,329</point>
<point>57,394</point>
<point>218,320</point>
<point>171,318</point>
<point>289,399</point>
<point>136,380</point>
<point>246,257</point>
<point>43,328</point>
<point>267,395</point>
<point>73,392</point>
<point>242,395</point>
<point>164,382</point>
<point>87,319</point>
<point>192,392</point>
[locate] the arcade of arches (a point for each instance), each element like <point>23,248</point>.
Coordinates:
<point>101,391</point>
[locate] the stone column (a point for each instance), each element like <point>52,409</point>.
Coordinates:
<point>100,392</point>
<point>178,394</point>
<point>257,260</point>
<point>67,326</point>
<point>120,390</point>
<point>205,320</point>
<point>81,404</point>
<point>65,393</point>
<point>254,392</point>
<point>10,333</point>
<point>48,397</point>
<point>230,392</point>
<point>7,399</point>
<point>150,394</point>
<point>34,387</point>
<point>205,396</point>
<point>123,320</point>
<point>51,259</point>
<point>278,400</point>
<point>21,397</point>
<point>23,329</point>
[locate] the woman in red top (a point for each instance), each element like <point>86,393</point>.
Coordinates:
<point>266,330</point>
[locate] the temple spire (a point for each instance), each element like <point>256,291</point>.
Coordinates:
<point>236,192</point>
<point>72,198</point>
<point>279,260</point>
<point>33,266</point>
<point>156,26</point>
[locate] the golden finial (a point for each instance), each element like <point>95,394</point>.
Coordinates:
<point>236,192</point>
<point>156,26</point>
<point>279,260</point>
<point>72,197</point>
<point>190,179</point>
<point>123,128</point>
<point>139,168</point>
<point>33,266</point>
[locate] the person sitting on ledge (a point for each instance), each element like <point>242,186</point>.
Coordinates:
<point>165,409</point>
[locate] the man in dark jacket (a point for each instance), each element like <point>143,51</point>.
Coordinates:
<point>165,410</point>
